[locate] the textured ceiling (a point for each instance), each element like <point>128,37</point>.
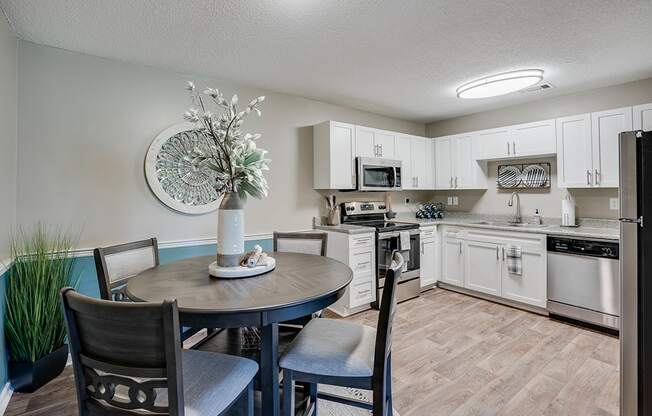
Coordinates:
<point>402,58</point>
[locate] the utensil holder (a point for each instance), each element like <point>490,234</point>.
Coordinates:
<point>333,217</point>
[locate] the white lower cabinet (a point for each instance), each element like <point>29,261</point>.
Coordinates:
<point>476,259</point>
<point>452,265</point>
<point>531,286</point>
<point>358,251</point>
<point>483,267</point>
<point>429,257</point>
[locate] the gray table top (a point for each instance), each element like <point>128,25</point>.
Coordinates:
<point>298,278</point>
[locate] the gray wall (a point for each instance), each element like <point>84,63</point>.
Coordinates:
<point>8,123</point>
<point>85,124</point>
<point>590,202</point>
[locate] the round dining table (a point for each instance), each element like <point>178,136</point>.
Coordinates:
<point>300,284</point>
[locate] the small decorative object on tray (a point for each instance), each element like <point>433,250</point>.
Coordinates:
<point>524,176</point>
<point>431,210</point>
<point>252,263</point>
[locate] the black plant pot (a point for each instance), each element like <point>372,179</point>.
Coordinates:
<point>27,377</point>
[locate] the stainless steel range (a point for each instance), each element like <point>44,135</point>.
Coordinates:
<point>388,239</point>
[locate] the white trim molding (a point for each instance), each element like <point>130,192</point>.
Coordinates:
<point>5,396</point>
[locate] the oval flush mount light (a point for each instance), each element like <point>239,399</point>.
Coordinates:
<point>500,84</point>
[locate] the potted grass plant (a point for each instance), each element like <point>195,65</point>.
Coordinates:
<point>34,327</point>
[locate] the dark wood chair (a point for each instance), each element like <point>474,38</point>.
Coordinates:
<point>115,265</point>
<point>306,243</point>
<point>340,353</point>
<point>127,361</point>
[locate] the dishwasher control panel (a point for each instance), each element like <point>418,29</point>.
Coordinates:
<point>582,247</point>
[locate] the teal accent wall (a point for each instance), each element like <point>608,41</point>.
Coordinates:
<point>85,268</point>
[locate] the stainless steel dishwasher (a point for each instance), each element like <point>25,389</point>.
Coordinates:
<point>584,280</point>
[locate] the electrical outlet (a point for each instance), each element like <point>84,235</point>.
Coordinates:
<point>449,201</point>
<point>614,204</point>
<point>455,201</point>
<point>407,200</point>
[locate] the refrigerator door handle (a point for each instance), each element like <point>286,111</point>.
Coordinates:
<point>638,221</point>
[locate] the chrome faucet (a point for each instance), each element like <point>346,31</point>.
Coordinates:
<point>517,218</point>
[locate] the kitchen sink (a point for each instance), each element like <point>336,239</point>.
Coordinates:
<point>510,224</point>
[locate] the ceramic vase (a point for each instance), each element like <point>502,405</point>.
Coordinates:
<point>230,230</point>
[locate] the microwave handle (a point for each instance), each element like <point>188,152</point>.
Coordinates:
<point>392,178</point>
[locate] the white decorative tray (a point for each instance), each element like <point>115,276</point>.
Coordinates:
<point>240,271</point>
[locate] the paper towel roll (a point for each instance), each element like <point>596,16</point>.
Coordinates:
<point>567,212</point>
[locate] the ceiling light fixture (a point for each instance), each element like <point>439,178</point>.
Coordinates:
<point>500,84</point>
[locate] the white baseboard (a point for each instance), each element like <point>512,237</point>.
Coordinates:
<point>5,396</point>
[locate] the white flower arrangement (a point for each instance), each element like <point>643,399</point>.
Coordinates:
<point>232,154</point>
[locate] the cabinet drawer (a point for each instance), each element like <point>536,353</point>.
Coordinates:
<point>363,240</point>
<point>428,232</point>
<point>362,261</point>
<point>361,293</point>
<point>362,278</point>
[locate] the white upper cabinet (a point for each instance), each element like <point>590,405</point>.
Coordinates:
<point>375,143</point>
<point>534,139</point>
<point>642,117</point>
<point>519,141</point>
<point>333,156</point>
<point>587,148</point>
<point>443,163</point>
<point>493,144</point>
<point>385,140</point>
<point>455,165</point>
<point>605,128</point>
<point>404,154</point>
<point>574,157</point>
<point>365,143</point>
<point>417,161</point>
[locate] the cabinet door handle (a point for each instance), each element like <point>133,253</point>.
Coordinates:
<point>460,247</point>
<point>597,177</point>
<point>422,248</point>
<point>503,253</point>
<point>514,148</point>
<point>497,255</point>
<point>456,182</point>
<point>508,154</point>
<point>451,181</point>
<point>380,147</point>
<point>588,177</point>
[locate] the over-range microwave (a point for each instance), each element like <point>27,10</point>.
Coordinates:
<point>375,174</point>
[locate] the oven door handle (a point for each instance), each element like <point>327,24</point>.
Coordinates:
<point>392,178</point>
<point>387,236</point>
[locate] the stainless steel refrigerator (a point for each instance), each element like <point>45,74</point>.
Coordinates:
<point>635,194</point>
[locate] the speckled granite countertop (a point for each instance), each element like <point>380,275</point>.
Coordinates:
<point>589,227</point>
<point>344,228</point>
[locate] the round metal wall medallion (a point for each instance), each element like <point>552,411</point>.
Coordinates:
<point>171,175</point>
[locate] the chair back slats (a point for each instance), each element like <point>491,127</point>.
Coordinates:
<point>117,264</point>
<point>124,355</point>
<point>386,316</point>
<point>306,243</point>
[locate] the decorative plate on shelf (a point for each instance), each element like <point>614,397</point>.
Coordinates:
<point>509,176</point>
<point>535,176</point>
<point>171,175</point>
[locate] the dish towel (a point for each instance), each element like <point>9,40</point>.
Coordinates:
<point>514,260</point>
<point>404,240</point>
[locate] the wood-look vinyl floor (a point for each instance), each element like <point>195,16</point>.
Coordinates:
<point>461,356</point>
